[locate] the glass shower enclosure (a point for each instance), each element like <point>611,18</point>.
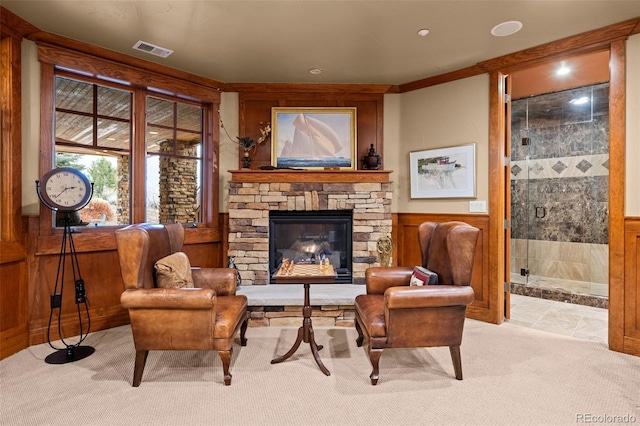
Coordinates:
<point>559,195</point>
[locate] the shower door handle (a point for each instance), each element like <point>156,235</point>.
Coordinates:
<point>541,212</point>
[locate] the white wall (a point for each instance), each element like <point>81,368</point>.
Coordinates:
<point>632,194</point>
<point>392,155</point>
<point>450,114</point>
<point>30,127</point>
<point>228,149</point>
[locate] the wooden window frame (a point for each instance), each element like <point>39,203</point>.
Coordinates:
<point>144,83</point>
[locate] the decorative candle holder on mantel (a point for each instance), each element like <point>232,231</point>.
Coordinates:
<point>246,144</point>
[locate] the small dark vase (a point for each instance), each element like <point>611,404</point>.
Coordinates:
<point>372,160</point>
<point>246,160</point>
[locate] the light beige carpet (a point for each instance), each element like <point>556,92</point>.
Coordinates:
<point>512,376</point>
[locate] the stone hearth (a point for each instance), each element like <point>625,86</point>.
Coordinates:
<point>253,193</point>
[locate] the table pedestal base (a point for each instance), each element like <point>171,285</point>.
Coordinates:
<point>305,334</point>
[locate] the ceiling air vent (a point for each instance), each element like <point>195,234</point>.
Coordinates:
<point>143,46</point>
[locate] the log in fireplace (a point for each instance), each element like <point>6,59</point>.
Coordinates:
<point>310,237</point>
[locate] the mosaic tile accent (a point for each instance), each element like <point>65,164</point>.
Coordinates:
<point>583,166</point>
<point>559,167</point>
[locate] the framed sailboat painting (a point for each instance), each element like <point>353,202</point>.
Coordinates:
<point>313,138</point>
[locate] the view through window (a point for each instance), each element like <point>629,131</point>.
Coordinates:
<point>94,130</point>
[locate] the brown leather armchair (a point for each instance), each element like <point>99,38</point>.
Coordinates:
<point>393,314</point>
<point>203,318</point>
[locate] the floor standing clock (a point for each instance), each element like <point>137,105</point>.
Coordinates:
<point>66,190</point>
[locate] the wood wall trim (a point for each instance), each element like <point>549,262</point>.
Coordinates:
<point>14,303</point>
<point>309,88</point>
<point>11,25</point>
<point>581,43</point>
<point>460,74</point>
<point>110,55</point>
<point>617,137</point>
<point>11,147</point>
<point>122,70</point>
<point>631,338</point>
<point>497,190</point>
<point>587,41</point>
<point>340,176</point>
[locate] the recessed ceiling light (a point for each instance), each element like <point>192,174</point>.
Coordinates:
<point>423,32</point>
<point>315,71</point>
<point>506,28</point>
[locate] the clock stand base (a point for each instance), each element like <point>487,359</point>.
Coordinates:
<point>70,354</point>
<point>74,352</point>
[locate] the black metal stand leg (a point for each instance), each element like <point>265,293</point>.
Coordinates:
<point>74,352</point>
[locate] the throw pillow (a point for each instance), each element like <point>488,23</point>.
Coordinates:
<point>174,271</point>
<point>423,276</point>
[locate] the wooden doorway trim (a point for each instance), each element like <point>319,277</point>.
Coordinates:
<point>617,125</point>
<point>617,137</point>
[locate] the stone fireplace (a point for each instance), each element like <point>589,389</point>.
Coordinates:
<point>254,193</point>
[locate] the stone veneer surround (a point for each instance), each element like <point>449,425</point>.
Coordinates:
<point>252,194</point>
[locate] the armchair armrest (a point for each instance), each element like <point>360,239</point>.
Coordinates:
<point>222,280</point>
<point>380,278</point>
<point>428,296</point>
<point>169,298</point>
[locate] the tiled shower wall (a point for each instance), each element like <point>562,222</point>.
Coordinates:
<point>559,190</point>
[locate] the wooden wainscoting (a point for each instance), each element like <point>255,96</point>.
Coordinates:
<point>408,254</point>
<point>631,339</point>
<point>100,269</point>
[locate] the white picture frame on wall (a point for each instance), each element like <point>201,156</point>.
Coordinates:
<point>443,172</point>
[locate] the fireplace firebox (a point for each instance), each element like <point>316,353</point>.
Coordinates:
<point>310,237</point>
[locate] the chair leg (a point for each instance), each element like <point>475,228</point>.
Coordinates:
<point>243,330</point>
<point>141,360</point>
<point>457,361</point>
<point>225,356</point>
<point>360,338</point>
<point>374,356</point>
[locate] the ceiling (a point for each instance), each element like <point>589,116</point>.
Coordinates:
<point>364,42</point>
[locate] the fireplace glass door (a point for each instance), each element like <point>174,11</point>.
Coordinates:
<point>310,237</point>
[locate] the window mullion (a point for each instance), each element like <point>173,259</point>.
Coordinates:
<point>138,157</point>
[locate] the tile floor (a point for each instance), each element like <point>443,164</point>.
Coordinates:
<point>583,322</point>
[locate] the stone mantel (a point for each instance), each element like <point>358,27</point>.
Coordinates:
<point>287,175</point>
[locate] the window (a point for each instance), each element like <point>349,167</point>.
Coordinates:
<point>93,129</point>
<point>96,132</point>
<point>174,161</point>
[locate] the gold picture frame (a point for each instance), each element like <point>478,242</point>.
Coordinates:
<point>313,138</point>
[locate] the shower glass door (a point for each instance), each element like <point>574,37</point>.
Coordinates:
<point>559,192</point>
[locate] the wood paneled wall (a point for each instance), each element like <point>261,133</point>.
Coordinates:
<point>14,307</point>
<point>631,342</point>
<point>256,102</point>
<point>100,269</point>
<point>407,253</point>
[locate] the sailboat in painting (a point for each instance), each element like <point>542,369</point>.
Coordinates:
<point>314,144</point>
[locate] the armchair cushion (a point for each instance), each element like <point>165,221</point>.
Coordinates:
<point>174,271</point>
<point>423,276</point>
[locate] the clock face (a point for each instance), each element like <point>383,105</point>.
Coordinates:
<point>65,189</point>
